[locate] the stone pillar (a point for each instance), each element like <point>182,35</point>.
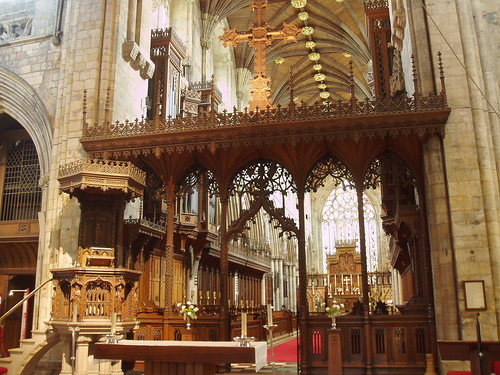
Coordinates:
<point>82,355</point>
<point>66,368</point>
<point>293,288</point>
<point>441,247</point>
<point>282,273</point>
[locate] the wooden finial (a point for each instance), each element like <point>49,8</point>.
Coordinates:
<point>352,85</point>
<point>157,105</point>
<point>441,77</point>
<point>351,78</point>
<point>290,86</point>
<point>415,81</point>
<point>84,107</point>
<point>106,106</point>
<point>212,97</point>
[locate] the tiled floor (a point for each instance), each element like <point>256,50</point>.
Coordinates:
<point>279,369</point>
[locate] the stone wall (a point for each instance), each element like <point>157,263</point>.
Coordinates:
<point>467,211</point>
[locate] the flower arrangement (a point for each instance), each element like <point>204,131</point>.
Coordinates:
<point>335,310</point>
<point>188,310</point>
<point>319,305</point>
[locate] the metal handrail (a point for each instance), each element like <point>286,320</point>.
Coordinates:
<point>14,308</point>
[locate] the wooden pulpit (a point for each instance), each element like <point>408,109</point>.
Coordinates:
<point>467,351</point>
<point>183,357</point>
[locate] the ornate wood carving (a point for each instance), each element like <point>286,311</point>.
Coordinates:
<point>96,293</point>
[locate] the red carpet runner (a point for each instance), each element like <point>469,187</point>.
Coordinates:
<point>286,352</point>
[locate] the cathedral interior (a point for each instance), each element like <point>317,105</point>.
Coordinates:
<point>210,170</point>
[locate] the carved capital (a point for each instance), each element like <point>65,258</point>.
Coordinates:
<point>205,43</point>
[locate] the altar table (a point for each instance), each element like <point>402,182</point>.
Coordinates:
<point>183,357</point>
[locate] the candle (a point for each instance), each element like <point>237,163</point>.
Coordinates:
<point>269,315</point>
<point>113,323</point>
<point>243,324</point>
<point>75,312</point>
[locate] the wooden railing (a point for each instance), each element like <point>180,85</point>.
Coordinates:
<point>216,120</point>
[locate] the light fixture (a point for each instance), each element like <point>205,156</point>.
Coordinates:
<point>322,86</point>
<point>346,54</point>
<point>324,94</point>
<point>11,293</point>
<point>310,44</point>
<point>303,16</point>
<point>279,60</point>
<point>314,56</point>
<point>319,77</point>
<point>317,67</point>
<point>340,1</point>
<point>299,3</point>
<point>307,30</point>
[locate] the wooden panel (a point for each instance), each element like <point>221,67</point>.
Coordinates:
<point>155,279</point>
<point>163,368</point>
<point>19,230</point>
<point>178,279</point>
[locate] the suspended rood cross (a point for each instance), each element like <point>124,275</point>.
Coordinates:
<point>259,37</point>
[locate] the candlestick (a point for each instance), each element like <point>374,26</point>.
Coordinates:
<point>113,323</point>
<point>269,315</point>
<point>270,329</point>
<point>243,324</point>
<point>75,312</point>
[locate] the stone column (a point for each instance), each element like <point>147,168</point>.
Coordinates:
<point>66,368</point>
<point>131,20</point>
<point>282,273</point>
<point>441,247</point>
<point>82,355</point>
<point>293,288</point>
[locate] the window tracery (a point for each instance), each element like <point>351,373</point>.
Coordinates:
<point>340,223</point>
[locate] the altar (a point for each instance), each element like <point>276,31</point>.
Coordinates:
<point>183,357</point>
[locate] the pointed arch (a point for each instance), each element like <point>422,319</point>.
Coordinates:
<point>20,101</point>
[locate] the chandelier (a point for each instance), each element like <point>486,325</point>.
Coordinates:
<point>307,30</point>
<point>310,44</point>
<point>314,56</point>
<point>324,94</point>
<point>319,77</point>
<point>299,3</point>
<point>303,16</point>
<point>317,67</point>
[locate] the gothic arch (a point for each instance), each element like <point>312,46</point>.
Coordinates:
<point>261,178</point>
<point>21,102</point>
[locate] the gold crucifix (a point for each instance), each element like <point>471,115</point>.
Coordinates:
<point>259,37</point>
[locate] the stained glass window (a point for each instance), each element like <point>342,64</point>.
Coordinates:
<point>340,224</point>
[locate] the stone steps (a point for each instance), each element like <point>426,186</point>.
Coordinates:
<point>20,357</point>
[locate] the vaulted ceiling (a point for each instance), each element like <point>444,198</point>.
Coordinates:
<point>340,36</point>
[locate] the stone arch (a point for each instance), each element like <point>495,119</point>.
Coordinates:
<point>20,101</point>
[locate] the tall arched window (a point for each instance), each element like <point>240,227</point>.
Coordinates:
<point>340,224</point>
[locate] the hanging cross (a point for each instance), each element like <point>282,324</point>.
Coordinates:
<point>259,37</point>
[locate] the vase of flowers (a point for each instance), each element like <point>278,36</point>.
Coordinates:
<point>334,311</point>
<point>188,312</point>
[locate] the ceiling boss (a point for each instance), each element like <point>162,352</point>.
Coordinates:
<point>259,37</point>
